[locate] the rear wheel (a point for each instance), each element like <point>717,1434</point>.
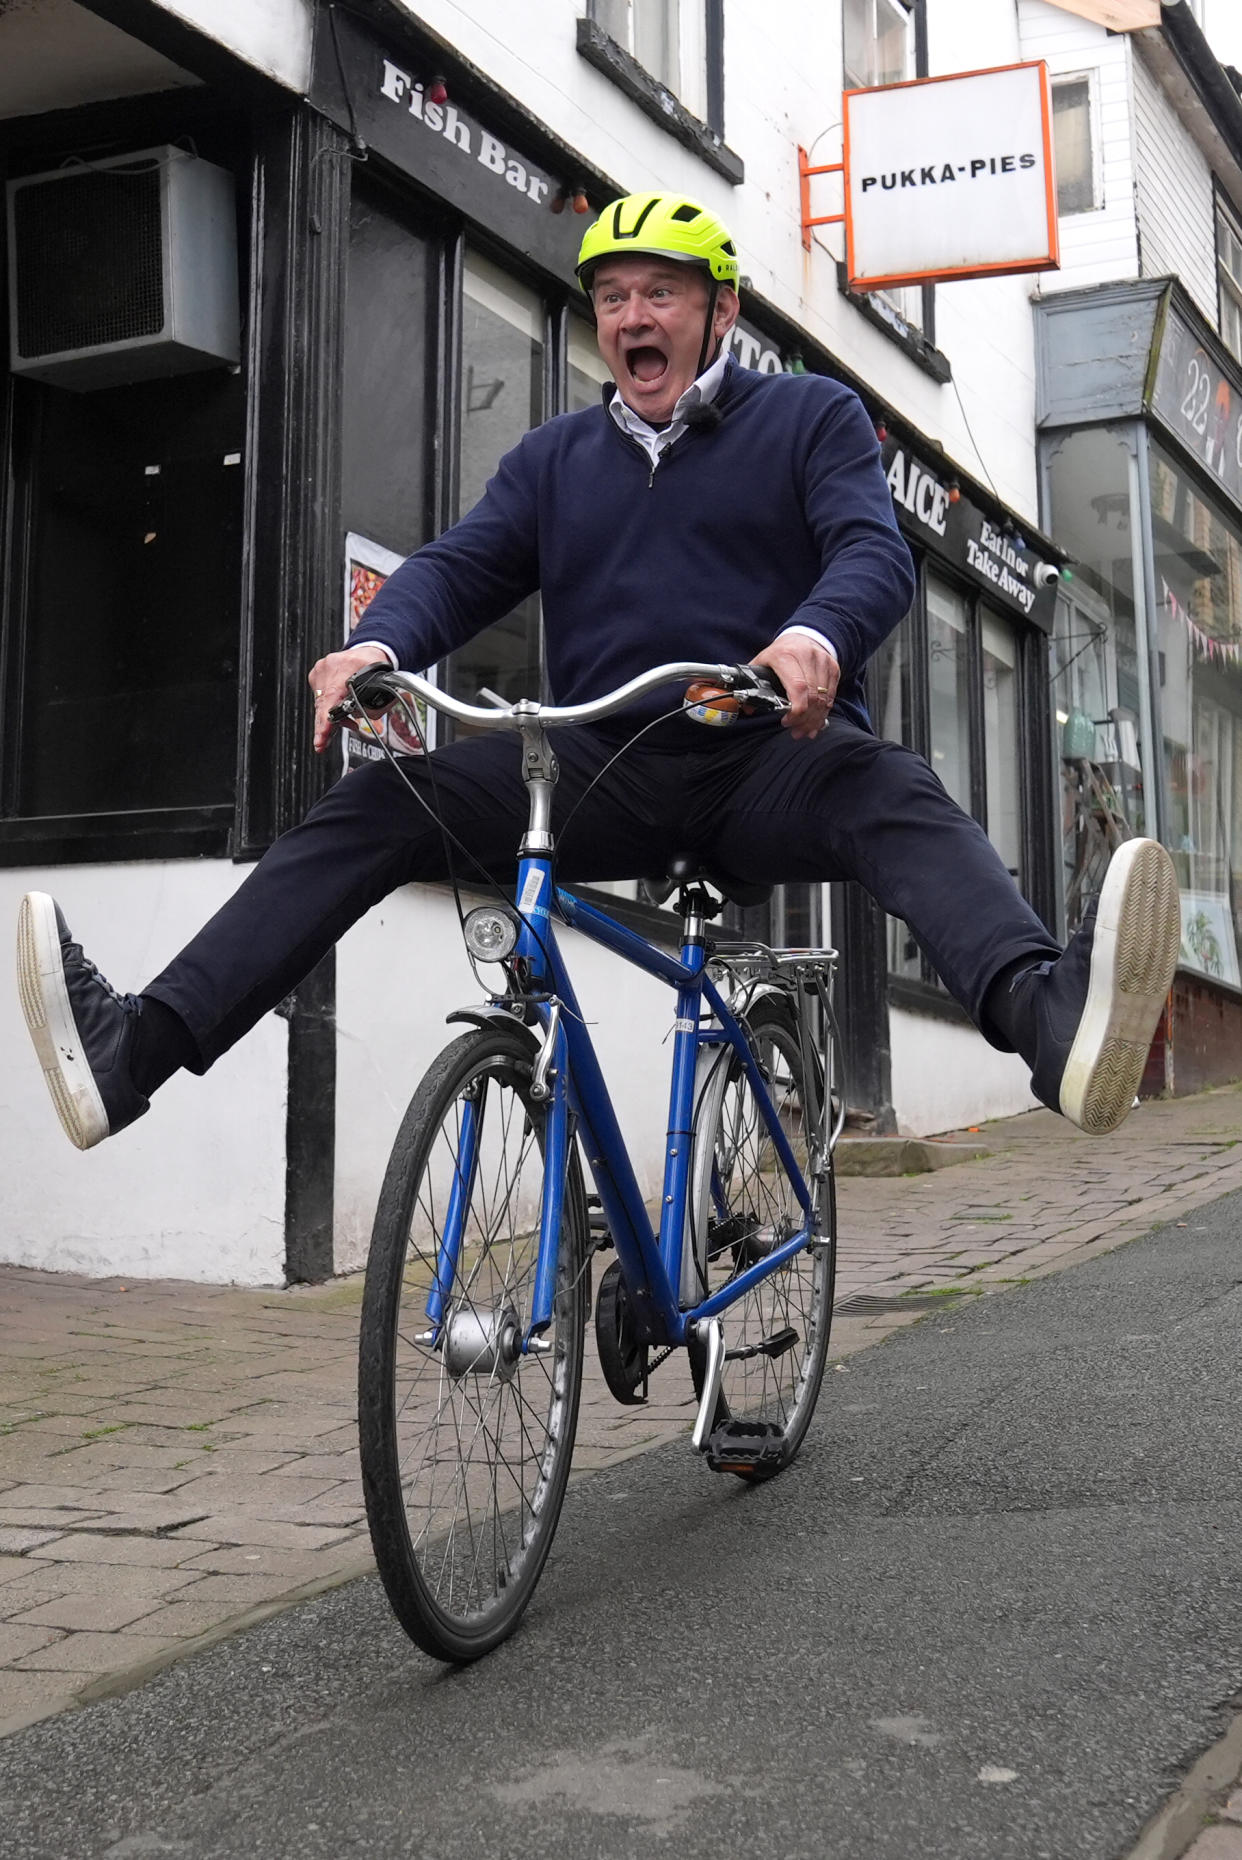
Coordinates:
<point>465,1438</point>
<point>745,1205</point>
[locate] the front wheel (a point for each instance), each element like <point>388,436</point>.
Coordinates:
<point>465,1437</point>
<point>744,1205</point>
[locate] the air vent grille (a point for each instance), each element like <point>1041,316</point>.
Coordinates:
<point>90,268</point>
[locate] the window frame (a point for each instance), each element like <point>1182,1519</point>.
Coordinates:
<point>1089,80</point>
<point>912,10</point>
<point>617,63</point>
<point>1228,285</point>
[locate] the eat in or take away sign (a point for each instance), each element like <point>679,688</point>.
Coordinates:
<point>950,177</point>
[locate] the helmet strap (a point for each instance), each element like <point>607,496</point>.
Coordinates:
<point>712,294</point>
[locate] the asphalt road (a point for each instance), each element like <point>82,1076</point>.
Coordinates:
<point>994,1610</point>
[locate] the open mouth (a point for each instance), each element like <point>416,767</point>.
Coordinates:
<point>646,365</point>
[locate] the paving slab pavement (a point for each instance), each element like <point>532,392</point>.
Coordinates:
<point>179,1460</point>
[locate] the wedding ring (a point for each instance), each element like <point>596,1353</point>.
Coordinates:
<point>822,689</point>
<point>319,694</point>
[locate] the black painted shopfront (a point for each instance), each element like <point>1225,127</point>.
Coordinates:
<point>179,550</point>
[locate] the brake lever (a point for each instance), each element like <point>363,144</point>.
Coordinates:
<point>743,690</point>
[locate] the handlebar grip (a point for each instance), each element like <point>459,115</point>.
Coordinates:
<point>751,689</point>
<point>370,687</point>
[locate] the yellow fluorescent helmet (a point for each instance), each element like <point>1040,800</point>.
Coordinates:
<point>663,226</point>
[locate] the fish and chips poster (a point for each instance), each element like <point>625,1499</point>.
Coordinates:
<point>367,568</point>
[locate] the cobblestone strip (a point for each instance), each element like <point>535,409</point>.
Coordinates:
<point>178,1460</point>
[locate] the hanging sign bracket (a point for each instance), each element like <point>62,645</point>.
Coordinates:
<point>805,171</point>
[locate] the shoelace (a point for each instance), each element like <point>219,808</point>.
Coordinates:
<point>74,954</point>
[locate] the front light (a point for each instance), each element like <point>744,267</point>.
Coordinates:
<point>491,933</point>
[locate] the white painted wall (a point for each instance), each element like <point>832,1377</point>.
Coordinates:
<point>783,87</point>
<point>400,972</point>
<point>1176,208</point>
<point>947,1077</point>
<point>196,1188</point>
<point>273,35</point>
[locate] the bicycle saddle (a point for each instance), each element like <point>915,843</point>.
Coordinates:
<point>684,868</point>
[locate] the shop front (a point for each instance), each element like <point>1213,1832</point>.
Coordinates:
<point>181,546</point>
<point>1142,471</point>
<point>963,681</point>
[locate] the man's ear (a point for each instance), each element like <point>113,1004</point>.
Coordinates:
<point>728,308</point>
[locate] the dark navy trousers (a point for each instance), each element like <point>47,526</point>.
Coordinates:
<point>846,805</point>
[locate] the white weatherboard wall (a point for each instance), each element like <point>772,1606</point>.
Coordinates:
<point>196,1188</point>
<point>1101,246</point>
<point>1176,206</point>
<point>946,1077</point>
<point>400,972</point>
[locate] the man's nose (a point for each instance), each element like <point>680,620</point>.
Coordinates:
<point>636,314</point>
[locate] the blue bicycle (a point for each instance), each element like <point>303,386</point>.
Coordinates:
<point>478,1282</point>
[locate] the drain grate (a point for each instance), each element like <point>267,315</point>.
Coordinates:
<point>871,1304</point>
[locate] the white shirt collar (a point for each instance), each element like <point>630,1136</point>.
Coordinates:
<point>656,441</point>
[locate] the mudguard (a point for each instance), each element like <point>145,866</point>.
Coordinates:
<point>490,1014</point>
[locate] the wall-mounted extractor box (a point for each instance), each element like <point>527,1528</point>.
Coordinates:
<point>123,269</point>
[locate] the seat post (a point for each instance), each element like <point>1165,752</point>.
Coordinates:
<point>697,907</point>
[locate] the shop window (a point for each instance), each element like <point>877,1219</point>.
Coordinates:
<point>124,606</point>
<point>385,398</point>
<point>1073,146</point>
<point>501,396</point>
<point>1198,553</point>
<point>948,653</point>
<point>999,652</point>
<point>948,684</point>
<point>1101,681</point>
<point>1229,273</point>
<point>891,702</point>
<point>586,375</point>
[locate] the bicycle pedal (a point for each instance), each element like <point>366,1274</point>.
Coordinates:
<point>752,1449</point>
<point>776,1345</point>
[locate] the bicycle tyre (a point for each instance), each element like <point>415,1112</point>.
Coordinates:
<point>752,1206</point>
<point>466,1447</point>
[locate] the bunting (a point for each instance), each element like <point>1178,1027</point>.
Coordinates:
<point>1216,651</point>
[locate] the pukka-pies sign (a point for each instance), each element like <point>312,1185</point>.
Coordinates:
<point>950,178</point>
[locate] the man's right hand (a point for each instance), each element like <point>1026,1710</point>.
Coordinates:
<point>329,680</point>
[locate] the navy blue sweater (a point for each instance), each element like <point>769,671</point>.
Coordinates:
<point>778,515</point>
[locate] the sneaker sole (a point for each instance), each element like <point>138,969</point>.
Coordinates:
<point>45,1004</point>
<point>1137,938</point>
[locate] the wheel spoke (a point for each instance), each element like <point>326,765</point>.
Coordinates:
<point>753,1206</point>
<point>466,1444</point>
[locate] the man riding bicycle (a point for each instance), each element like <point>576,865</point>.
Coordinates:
<point>702,512</point>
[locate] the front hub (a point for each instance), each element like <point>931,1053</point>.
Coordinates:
<point>482,1343</point>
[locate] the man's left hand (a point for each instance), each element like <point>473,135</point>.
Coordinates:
<point>810,676</point>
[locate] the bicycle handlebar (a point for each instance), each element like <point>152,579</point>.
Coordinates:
<point>375,686</point>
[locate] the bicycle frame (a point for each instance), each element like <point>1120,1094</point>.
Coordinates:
<point>578,1099</point>
<point>567,1077</point>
